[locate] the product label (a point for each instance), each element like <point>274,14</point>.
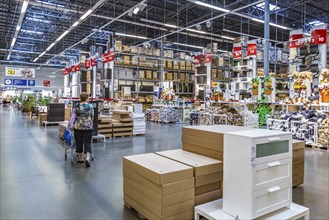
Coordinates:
<point>319,36</point>
<point>252,49</point>
<point>295,41</point>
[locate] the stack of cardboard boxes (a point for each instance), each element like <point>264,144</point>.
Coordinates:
<point>105,126</point>
<point>157,187</point>
<point>207,140</point>
<point>298,162</point>
<point>208,173</point>
<point>122,123</point>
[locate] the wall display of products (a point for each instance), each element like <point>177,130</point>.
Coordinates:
<point>263,89</point>
<point>324,86</point>
<point>164,114</point>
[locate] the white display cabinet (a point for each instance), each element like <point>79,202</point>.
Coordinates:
<point>257,172</point>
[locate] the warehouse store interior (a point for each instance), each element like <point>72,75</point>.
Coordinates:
<point>127,109</point>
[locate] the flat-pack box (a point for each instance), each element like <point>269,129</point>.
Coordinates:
<point>209,196</point>
<point>158,169</point>
<point>203,151</point>
<point>297,144</point>
<point>201,165</point>
<point>208,188</point>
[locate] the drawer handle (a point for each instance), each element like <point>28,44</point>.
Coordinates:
<point>273,139</point>
<point>274,189</point>
<point>274,164</point>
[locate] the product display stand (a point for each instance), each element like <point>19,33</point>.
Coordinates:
<point>214,211</point>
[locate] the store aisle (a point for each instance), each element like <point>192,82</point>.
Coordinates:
<point>36,183</point>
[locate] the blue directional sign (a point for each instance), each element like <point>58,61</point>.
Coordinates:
<point>30,82</point>
<point>8,82</point>
<point>19,82</point>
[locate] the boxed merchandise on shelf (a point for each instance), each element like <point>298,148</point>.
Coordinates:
<point>169,54</point>
<point>157,187</point>
<point>188,66</point>
<point>168,64</point>
<point>134,60</point>
<point>126,60</point>
<point>141,74</point>
<point>208,173</point>
<point>182,65</point>
<point>182,55</point>
<point>141,50</point>
<point>118,45</point>
<point>126,48</point>
<point>298,154</point>
<point>156,52</point>
<point>148,74</point>
<point>134,50</point>
<point>175,65</point>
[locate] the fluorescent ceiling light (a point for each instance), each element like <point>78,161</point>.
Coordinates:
<point>49,3</point>
<point>24,6</point>
<point>35,59</point>
<point>18,28</point>
<point>188,45</point>
<point>196,31</point>
<point>142,6</point>
<point>308,34</point>
<point>315,22</point>
<point>129,35</point>
<point>8,57</point>
<point>279,26</point>
<point>258,20</point>
<point>170,25</point>
<point>211,6</point>
<point>32,32</point>
<point>272,7</point>
<point>102,31</point>
<point>13,42</point>
<point>75,24</point>
<point>51,45</point>
<point>63,35</point>
<point>225,51</point>
<point>229,38</point>
<point>86,14</point>
<point>136,10</point>
<point>37,20</point>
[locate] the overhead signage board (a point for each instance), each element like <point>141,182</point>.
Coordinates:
<point>20,72</point>
<point>19,82</point>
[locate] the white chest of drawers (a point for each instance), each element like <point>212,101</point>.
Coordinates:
<point>257,172</point>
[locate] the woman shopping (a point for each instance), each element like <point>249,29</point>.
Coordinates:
<point>83,128</point>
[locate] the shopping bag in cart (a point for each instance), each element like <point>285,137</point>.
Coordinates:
<point>68,136</point>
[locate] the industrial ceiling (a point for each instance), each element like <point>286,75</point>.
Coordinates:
<point>51,32</point>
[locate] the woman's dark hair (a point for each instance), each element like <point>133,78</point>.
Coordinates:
<point>84,96</point>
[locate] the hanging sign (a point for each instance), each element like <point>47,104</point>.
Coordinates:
<point>73,68</point>
<point>252,50</point>
<point>87,64</point>
<point>66,71</point>
<point>46,83</point>
<point>207,58</point>
<point>197,59</point>
<point>108,57</point>
<point>77,67</point>
<point>319,36</point>
<point>20,72</point>
<point>295,41</point>
<point>237,53</point>
<point>19,82</point>
<point>93,62</point>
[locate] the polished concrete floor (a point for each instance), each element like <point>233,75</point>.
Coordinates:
<point>36,182</point>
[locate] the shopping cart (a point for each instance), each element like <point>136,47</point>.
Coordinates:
<point>70,141</point>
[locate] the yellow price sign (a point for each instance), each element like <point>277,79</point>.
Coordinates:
<point>11,72</point>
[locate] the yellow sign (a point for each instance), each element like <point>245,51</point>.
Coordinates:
<point>10,71</point>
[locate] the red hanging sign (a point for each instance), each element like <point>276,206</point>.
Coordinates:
<point>93,62</point>
<point>197,60</point>
<point>252,50</point>
<point>46,83</point>
<point>77,67</point>
<point>207,58</point>
<point>87,64</point>
<point>319,36</point>
<point>66,71</point>
<point>237,53</point>
<point>108,57</point>
<point>73,69</point>
<point>295,41</point>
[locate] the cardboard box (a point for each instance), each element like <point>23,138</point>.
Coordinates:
<point>201,165</point>
<point>134,60</point>
<point>203,142</point>
<point>208,188</point>
<point>182,65</point>
<point>158,169</point>
<point>189,214</point>
<point>169,64</point>
<point>130,186</point>
<point>208,197</point>
<point>208,179</point>
<point>160,212</point>
<point>156,52</point>
<point>42,117</point>
<point>134,49</point>
<point>298,156</point>
<point>118,45</point>
<point>297,144</point>
<point>149,74</point>
<point>175,65</point>
<point>203,151</point>
<point>165,189</point>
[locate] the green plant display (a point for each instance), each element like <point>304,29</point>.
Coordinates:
<point>30,103</point>
<point>43,101</point>
<point>262,111</point>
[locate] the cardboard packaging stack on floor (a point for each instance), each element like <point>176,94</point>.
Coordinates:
<point>298,162</point>
<point>207,140</point>
<point>157,187</point>
<point>208,173</point>
<point>139,123</point>
<point>122,123</point>
<point>104,126</point>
